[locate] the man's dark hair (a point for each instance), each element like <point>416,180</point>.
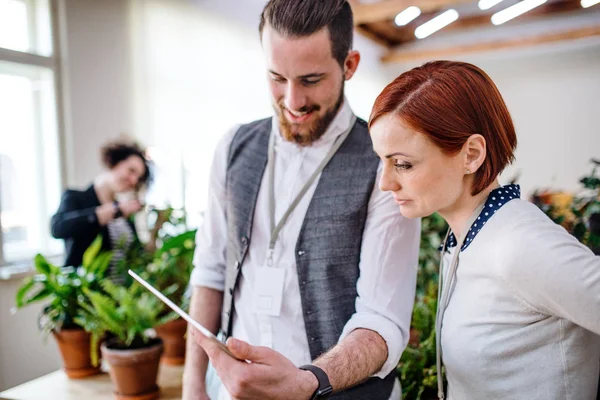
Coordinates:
<point>299,18</point>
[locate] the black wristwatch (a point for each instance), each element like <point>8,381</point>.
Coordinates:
<point>324,389</point>
<point>118,213</point>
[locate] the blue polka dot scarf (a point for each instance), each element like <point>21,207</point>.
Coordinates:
<point>496,199</point>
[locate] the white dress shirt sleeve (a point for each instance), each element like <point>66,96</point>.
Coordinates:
<point>388,276</point>
<point>211,238</point>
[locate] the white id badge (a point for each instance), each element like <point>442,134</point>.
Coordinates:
<point>268,291</point>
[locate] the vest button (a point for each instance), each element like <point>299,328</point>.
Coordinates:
<point>301,252</point>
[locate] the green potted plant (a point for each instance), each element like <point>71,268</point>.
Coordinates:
<point>169,265</point>
<point>417,367</point>
<point>126,315</point>
<point>63,287</point>
<point>172,268</point>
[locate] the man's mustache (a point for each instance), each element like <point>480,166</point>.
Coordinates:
<point>305,109</point>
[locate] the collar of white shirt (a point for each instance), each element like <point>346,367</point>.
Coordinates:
<point>339,125</point>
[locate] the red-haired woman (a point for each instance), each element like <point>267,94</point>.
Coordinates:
<point>519,316</point>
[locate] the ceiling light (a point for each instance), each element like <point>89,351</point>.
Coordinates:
<point>435,24</point>
<point>589,3</point>
<point>514,11</point>
<point>487,4</point>
<point>407,15</point>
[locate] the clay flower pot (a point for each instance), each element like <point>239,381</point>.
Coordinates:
<point>74,346</point>
<point>173,336</point>
<point>134,372</point>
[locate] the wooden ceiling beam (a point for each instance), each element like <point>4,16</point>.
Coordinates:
<point>365,13</point>
<point>446,52</point>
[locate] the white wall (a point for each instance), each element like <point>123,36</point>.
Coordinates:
<point>97,74</point>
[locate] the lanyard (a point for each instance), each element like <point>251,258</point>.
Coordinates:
<point>445,294</point>
<point>275,229</point>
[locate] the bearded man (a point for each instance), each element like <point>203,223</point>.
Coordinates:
<point>305,266</point>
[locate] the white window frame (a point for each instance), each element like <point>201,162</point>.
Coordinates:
<point>52,63</point>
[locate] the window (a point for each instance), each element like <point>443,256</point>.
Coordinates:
<point>29,163</point>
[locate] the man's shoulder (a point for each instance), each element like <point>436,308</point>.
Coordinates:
<point>254,125</point>
<point>247,133</point>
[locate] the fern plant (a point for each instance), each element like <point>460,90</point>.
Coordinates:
<point>63,287</point>
<point>125,313</point>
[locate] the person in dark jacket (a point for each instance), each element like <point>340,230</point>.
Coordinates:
<point>82,215</point>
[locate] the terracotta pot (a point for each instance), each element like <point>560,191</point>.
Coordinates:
<point>134,372</point>
<point>74,345</point>
<point>173,336</point>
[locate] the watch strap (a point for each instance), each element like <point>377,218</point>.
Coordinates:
<point>118,213</point>
<point>324,388</point>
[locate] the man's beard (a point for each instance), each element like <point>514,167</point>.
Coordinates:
<point>313,132</point>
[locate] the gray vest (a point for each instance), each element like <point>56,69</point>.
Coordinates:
<point>328,248</point>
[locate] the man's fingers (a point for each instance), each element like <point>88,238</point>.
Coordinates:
<point>210,347</point>
<point>256,354</point>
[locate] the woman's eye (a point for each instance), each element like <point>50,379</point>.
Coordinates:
<point>402,166</point>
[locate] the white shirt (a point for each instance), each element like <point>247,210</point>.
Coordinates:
<point>388,265</point>
<point>524,318</point>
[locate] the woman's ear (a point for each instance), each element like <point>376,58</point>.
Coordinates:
<point>475,151</point>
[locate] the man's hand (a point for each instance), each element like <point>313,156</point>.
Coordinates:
<point>265,375</point>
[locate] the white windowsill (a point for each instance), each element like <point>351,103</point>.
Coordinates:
<point>22,269</point>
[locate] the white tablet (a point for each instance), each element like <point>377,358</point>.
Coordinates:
<point>182,313</point>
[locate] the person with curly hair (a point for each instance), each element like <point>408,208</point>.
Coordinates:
<point>83,215</point>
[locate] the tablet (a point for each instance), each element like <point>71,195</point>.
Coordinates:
<point>181,313</point>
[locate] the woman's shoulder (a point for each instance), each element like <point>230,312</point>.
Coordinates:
<point>521,220</point>
<point>87,195</point>
<point>527,236</point>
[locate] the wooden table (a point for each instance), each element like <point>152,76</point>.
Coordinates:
<point>56,386</point>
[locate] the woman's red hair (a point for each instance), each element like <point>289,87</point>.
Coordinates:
<point>448,102</point>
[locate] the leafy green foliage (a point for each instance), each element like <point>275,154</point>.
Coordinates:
<point>417,367</point>
<point>63,287</point>
<point>170,265</point>
<point>127,314</point>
